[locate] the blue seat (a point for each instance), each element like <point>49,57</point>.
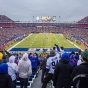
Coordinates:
<point>30,79</point>
<point>18,83</point>
<point>33,73</point>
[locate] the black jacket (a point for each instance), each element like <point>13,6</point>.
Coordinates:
<point>5,58</point>
<point>62,74</point>
<point>43,64</point>
<point>79,72</point>
<point>5,81</point>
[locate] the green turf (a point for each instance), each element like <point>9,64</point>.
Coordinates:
<point>43,40</point>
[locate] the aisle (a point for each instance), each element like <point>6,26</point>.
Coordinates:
<point>37,82</point>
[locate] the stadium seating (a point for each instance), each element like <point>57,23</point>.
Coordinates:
<point>31,79</point>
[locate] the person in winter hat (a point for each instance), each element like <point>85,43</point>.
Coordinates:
<point>5,78</point>
<point>50,67</point>
<point>81,71</point>
<point>1,56</point>
<point>62,72</point>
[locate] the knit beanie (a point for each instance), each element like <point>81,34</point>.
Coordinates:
<point>52,53</point>
<point>65,56</point>
<point>85,55</point>
<point>1,56</point>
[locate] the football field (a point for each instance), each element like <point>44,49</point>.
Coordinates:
<point>46,40</point>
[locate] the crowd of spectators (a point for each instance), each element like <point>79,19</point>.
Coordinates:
<point>80,32</point>
<point>22,63</point>
<point>6,33</point>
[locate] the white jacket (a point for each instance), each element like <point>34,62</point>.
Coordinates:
<point>12,67</point>
<point>79,61</point>
<point>24,67</point>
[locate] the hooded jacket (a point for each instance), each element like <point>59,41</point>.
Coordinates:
<point>5,79</point>
<point>81,70</point>
<point>12,67</point>
<point>24,67</point>
<point>62,72</point>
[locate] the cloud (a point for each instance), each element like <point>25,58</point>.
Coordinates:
<point>24,10</point>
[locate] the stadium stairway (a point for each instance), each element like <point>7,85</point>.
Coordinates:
<point>30,81</point>
<point>35,81</point>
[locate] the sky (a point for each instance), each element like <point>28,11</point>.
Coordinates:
<point>64,10</point>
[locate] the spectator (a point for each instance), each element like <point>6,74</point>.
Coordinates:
<point>34,62</point>
<point>57,47</point>
<point>12,69</point>
<point>62,50</point>
<point>73,59</point>
<point>6,56</point>
<point>5,79</point>
<point>50,66</point>
<point>80,57</point>
<point>43,67</point>
<point>24,70</point>
<point>62,73</point>
<point>1,56</point>
<point>81,71</point>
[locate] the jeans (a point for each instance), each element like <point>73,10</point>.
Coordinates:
<point>43,74</point>
<point>48,77</point>
<point>14,84</point>
<point>24,82</point>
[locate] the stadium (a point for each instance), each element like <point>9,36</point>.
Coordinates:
<point>41,37</point>
<point>47,34</point>
<point>32,50</point>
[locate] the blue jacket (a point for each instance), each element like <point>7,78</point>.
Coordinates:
<point>5,79</point>
<point>34,62</point>
<point>3,68</point>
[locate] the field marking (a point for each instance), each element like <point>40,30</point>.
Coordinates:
<point>18,42</point>
<point>70,42</point>
<point>75,45</point>
<point>56,39</point>
<point>33,40</point>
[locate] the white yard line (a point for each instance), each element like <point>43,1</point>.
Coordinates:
<point>75,45</point>
<point>56,38</point>
<point>49,42</point>
<point>18,42</point>
<point>34,40</point>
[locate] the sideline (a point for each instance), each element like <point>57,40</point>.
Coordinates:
<point>18,42</point>
<point>72,43</point>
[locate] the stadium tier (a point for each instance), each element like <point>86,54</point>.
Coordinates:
<point>12,32</point>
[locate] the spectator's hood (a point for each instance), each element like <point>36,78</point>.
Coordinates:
<point>25,57</point>
<point>11,59</point>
